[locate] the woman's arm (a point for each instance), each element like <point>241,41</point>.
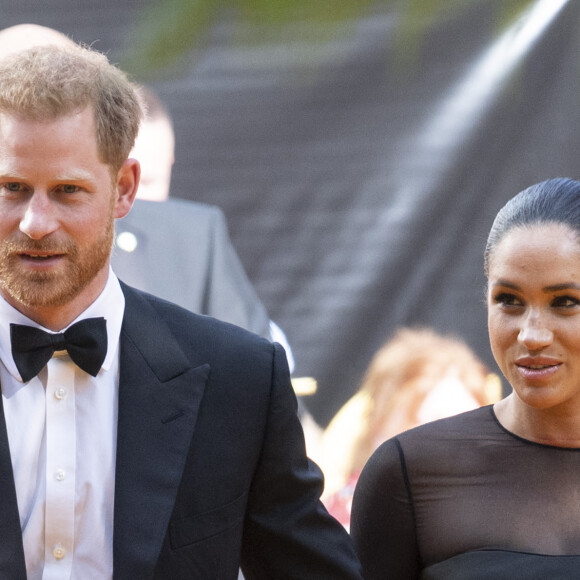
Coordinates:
<point>383,519</point>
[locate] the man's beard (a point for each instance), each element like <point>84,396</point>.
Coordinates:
<point>48,289</point>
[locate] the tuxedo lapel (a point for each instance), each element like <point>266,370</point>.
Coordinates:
<point>11,550</point>
<point>159,397</point>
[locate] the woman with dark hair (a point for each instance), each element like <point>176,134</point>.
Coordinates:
<point>494,493</point>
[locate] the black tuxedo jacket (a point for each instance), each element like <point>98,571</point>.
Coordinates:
<point>181,251</point>
<point>211,472</point>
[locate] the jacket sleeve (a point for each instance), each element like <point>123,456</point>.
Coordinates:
<point>288,533</point>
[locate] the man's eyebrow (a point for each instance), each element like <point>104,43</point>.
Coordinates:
<point>78,175</point>
<point>8,175</point>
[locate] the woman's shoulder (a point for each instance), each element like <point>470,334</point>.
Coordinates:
<point>443,441</point>
<point>479,422</point>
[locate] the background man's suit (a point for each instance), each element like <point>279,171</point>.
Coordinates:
<point>210,466</point>
<point>181,251</point>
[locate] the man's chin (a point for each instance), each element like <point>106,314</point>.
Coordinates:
<point>40,290</point>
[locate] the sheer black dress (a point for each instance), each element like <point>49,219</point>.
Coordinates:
<point>463,498</point>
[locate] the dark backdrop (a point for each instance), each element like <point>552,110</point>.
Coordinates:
<point>359,150</point>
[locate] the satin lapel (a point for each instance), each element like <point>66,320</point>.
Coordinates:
<point>159,397</point>
<point>11,550</point>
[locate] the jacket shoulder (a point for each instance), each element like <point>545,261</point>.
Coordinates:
<point>189,327</point>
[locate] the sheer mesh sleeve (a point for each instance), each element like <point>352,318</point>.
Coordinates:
<point>383,523</point>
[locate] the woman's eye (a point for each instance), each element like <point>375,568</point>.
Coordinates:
<point>565,302</point>
<point>506,299</point>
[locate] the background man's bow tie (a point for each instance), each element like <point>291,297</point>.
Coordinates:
<point>85,341</point>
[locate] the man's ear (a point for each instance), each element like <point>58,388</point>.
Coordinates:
<point>127,183</point>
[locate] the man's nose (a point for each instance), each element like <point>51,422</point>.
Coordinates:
<point>39,219</point>
<point>534,333</point>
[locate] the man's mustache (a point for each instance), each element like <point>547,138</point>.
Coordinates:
<point>24,246</point>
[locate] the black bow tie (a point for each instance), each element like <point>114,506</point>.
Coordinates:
<point>85,341</point>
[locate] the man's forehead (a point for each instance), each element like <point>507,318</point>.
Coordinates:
<point>10,118</point>
<point>23,136</point>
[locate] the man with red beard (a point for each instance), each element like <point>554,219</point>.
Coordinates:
<point>137,440</point>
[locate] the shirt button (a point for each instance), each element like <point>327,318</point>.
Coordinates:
<point>59,552</point>
<point>60,393</point>
<point>60,474</point>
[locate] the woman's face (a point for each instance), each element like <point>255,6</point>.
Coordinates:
<point>534,314</point>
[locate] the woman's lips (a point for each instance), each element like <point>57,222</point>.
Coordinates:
<point>537,369</point>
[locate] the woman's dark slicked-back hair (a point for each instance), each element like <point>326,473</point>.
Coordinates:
<point>553,201</point>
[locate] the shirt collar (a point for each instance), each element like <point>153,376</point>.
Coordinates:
<point>110,304</point>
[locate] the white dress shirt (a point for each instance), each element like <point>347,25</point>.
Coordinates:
<point>62,431</point>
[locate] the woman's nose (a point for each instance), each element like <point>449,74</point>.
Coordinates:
<point>534,333</point>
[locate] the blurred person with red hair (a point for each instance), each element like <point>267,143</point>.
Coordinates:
<point>416,377</point>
